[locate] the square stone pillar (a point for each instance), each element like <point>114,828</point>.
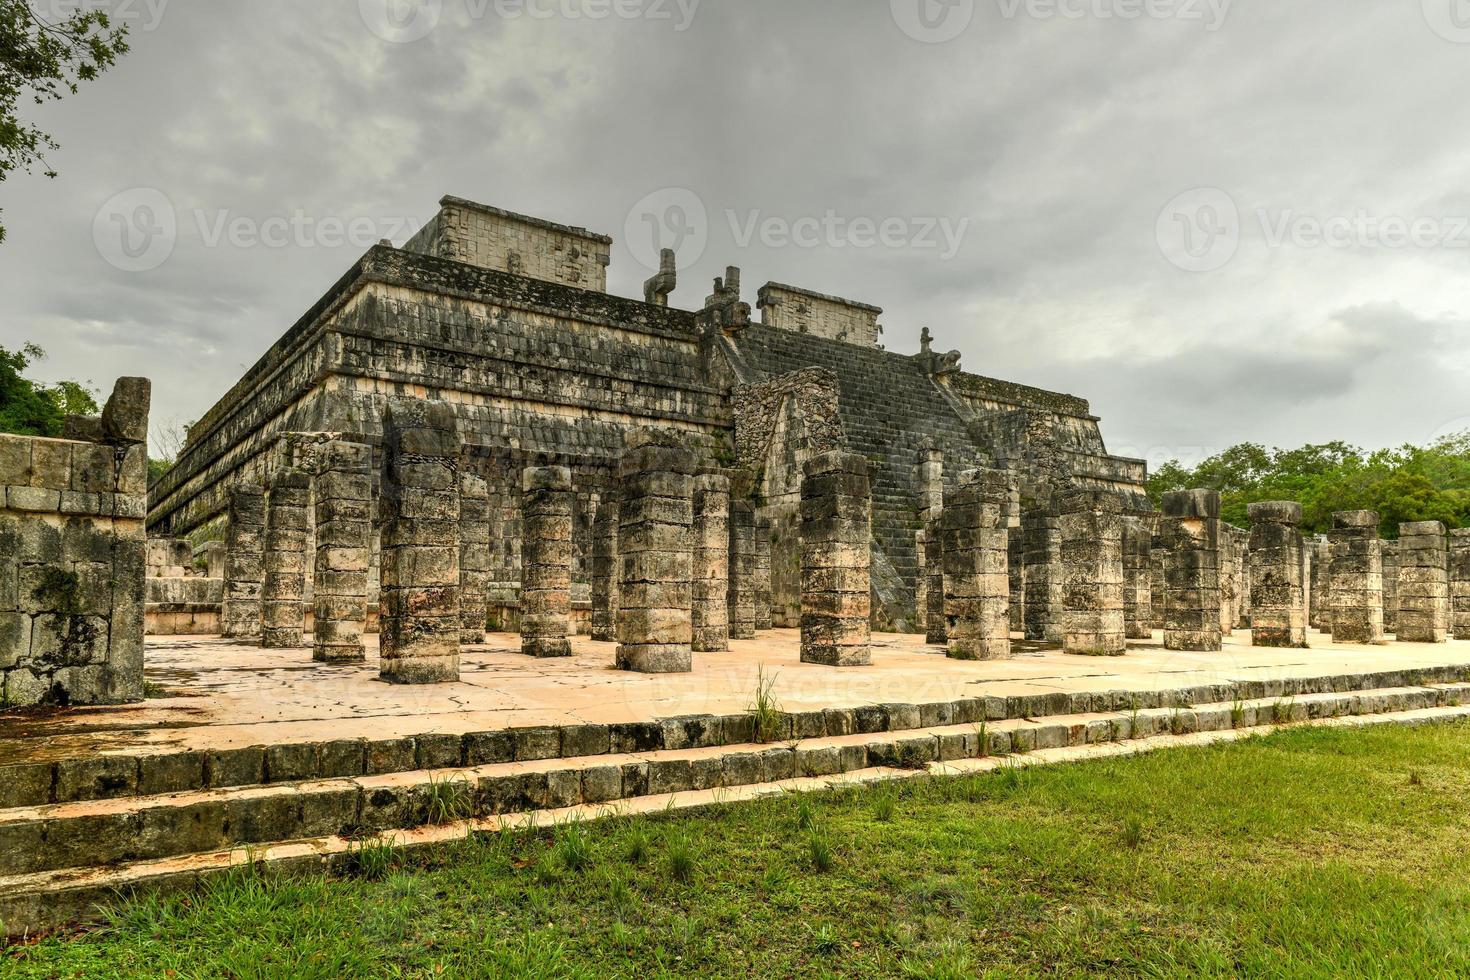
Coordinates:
<point>1356,578</point>
<point>244,563</point>
<point>1459,575</point>
<point>344,528</point>
<point>1278,594</point>
<point>1423,586</point>
<point>1192,576</point>
<point>656,553</point>
<point>283,591</point>
<point>762,573</point>
<point>1229,580</point>
<point>836,560</point>
<point>1138,589</point>
<point>711,576</point>
<point>1390,586</point>
<point>1091,526</point>
<point>474,557</point>
<point>1043,555</point>
<point>605,569</point>
<point>743,560</point>
<point>546,561</point>
<point>936,630</point>
<point>1016,573</point>
<point>921,585</point>
<point>421,616</point>
<point>1319,611</point>
<point>1158,577</point>
<point>976,574</point>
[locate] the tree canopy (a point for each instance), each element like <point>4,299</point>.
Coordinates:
<point>30,408</point>
<point>1411,483</point>
<point>42,60</point>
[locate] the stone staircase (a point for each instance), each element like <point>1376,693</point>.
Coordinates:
<point>74,833</point>
<point>889,409</point>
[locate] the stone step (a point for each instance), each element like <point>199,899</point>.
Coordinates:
<point>46,900</point>
<point>201,765</point>
<point>70,835</point>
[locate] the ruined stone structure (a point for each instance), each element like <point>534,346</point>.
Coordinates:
<point>836,560</point>
<point>244,563</point>
<point>546,561</point>
<point>1138,594</point>
<point>936,629</point>
<point>742,595</point>
<point>976,577</point>
<point>1278,593</point>
<point>421,616</point>
<point>474,557</point>
<point>73,558</point>
<point>1390,586</point>
<point>505,320</point>
<point>1192,574</point>
<point>1091,525</point>
<point>1423,583</point>
<point>1043,572</point>
<point>1319,615</point>
<point>605,570</point>
<point>1459,575</point>
<point>656,555</point>
<point>711,573</point>
<point>283,591</point>
<point>344,538</point>
<point>1355,580</point>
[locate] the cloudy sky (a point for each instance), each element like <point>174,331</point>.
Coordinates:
<point>1219,221</point>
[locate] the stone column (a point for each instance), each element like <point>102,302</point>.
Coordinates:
<point>1278,594</point>
<point>546,561</point>
<point>1192,596</point>
<point>244,563</point>
<point>474,557</point>
<point>976,555</point>
<point>1228,580</point>
<point>421,620</point>
<point>921,586</point>
<point>1390,586</point>
<point>1091,526</point>
<point>1424,587</point>
<point>936,630</point>
<point>710,608</point>
<point>1459,575</point>
<point>1137,577</point>
<point>605,570</point>
<point>284,589</point>
<point>1043,550</point>
<point>1319,613</point>
<point>1016,573</point>
<point>836,560</point>
<point>344,527</point>
<point>762,573</point>
<point>742,594</point>
<point>1356,578</point>
<point>1158,578</point>
<point>656,553</point>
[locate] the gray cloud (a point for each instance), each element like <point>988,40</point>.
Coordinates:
<point>1059,141</point>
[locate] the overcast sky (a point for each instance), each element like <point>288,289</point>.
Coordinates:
<point>1218,221</point>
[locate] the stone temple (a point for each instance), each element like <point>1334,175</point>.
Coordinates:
<point>506,319</point>
<point>477,545</point>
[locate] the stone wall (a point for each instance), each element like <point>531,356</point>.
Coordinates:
<point>803,311</point>
<point>490,238</point>
<point>73,559</point>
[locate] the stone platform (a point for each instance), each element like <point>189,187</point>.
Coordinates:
<point>210,694</point>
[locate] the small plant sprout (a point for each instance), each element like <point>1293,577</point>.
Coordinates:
<point>448,798</point>
<point>819,849</point>
<point>765,710</point>
<point>1132,834</point>
<point>572,846</point>
<point>1237,713</point>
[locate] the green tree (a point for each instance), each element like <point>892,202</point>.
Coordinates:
<point>42,60</point>
<point>30,408</point>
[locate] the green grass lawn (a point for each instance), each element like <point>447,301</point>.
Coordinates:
<point>1313,852</point>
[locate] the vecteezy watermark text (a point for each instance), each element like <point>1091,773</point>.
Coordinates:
<point>938,21</point>
<point>832,230</point>
<point>138,15</point>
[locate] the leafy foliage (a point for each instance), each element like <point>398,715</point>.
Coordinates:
<point>29,408</point>
<point>1411,483</point>
<point>42,60</point>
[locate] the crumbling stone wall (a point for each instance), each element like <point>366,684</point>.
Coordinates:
<point>73,559</point>
<point>490,238</point>
<point>804,311</point>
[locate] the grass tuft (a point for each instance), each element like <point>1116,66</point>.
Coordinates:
<point>681,857</point>
<point>819,849</point>
<point>765,710</point>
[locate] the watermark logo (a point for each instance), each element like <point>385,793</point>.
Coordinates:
<point>932,21</point>
<point>136,230</point>
<point>1209,13</point>
<point>671,217</point>
<point>136,15</point>
<point>1450,19</point>
<point>831,230</point>
<point>1199,231</point>
<point>401,21</point>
